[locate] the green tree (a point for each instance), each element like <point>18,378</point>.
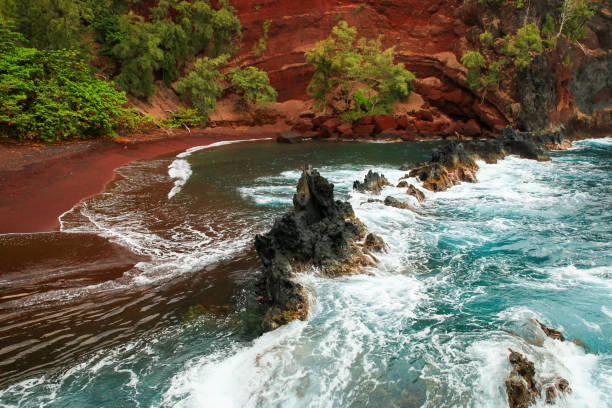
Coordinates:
<point>361,65</point>
<point>575,14</point>
<point>50,24</point>
<point>253,85</point>
<point>474,62</point>
<point>149,50</point>
<point>139,54</point>
<point>202,86</point>
<point>486,38</point>
<point>524,45</point>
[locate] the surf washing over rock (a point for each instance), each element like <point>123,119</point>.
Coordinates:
<point>319,232</point>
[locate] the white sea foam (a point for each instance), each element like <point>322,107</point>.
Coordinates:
<point>179,171</point>
<point>192,150</point>
<point>354,326</point>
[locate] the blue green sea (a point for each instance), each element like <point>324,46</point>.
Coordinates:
<point>465,277</point>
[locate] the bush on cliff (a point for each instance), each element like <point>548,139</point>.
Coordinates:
<point>253,85</point>
<point>524,45</point>
<point>357,65</point>
<point>474,62</point>
<point>52,95</point>
<point>202,86</point>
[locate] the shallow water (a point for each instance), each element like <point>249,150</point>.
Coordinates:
<point>430,326</point>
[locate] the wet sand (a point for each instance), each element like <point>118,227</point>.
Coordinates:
<point>39,183</point>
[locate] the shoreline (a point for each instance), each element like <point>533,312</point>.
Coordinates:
<point>40,183</point>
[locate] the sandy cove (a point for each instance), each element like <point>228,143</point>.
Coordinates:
<point>38,183</point>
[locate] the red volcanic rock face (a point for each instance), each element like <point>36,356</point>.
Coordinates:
<point>425,34</point>
<point>412,26</point>
<point>429,39</point>
<point>384,122</point>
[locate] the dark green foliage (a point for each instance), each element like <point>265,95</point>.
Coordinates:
<point>148,50</point>
<point>495,73</point>
<point>548,28</point>
<point>139,54</point>
<point>474,62</point>
<point>524,45</point>
<point>489,2</point>
<point>486,38</point>
<point>53,95</point>
<point>578,18</point>
<point>49,24</point>
<point>360,8</point>
<point>142,50</point>
<point>202,87</point>
<point>253,85</point>
<point>357,65</point>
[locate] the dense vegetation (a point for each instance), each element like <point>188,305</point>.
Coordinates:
<point>51,95</point>
<point>51,92</point>
<point>358,69</point>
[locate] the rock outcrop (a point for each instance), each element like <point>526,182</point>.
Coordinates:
<point>550,332</point>
<point>454,162</point>
<point>318,232</point>
<point>394,202</point>
<point>416,193</point>
<point>372,183</point>
<point>520,384</point>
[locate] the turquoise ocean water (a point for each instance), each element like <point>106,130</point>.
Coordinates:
<point>463,280</point>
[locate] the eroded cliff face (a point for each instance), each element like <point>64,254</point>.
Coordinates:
<point>430,37</point>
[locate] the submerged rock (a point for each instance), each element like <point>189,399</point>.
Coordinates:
<point>394,202</point>
<point>375,243</point>
<point>561,386</point>
<point>373,183</point>
<point>416,193</point>
<point>318,232</point>
<point>550,332</point>
<point>521,386</point>
<point>402,184</point>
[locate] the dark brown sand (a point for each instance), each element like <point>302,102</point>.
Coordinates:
<point>39,183</point>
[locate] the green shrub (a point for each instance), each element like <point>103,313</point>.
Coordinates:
<point>578,16</point>
<point>253,85</point>
<point>202,86</point>
<point>183,118</point>
<point>359,9</point>
<point>53,95</point>
<point>261,46</point>
<point>524,45</point>
<point>474,62</point>
<point>495,73</point>
<point>342,60</point>
<point>486,38</point>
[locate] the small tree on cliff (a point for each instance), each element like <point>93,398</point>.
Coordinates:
<point>474,62</point>
<point>202,86</point>
<point>359,67</point>
<point>253,85</point>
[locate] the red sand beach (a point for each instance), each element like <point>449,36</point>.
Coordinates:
<point>39,183</point>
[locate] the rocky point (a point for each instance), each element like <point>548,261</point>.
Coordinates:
<point>318,232</point>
